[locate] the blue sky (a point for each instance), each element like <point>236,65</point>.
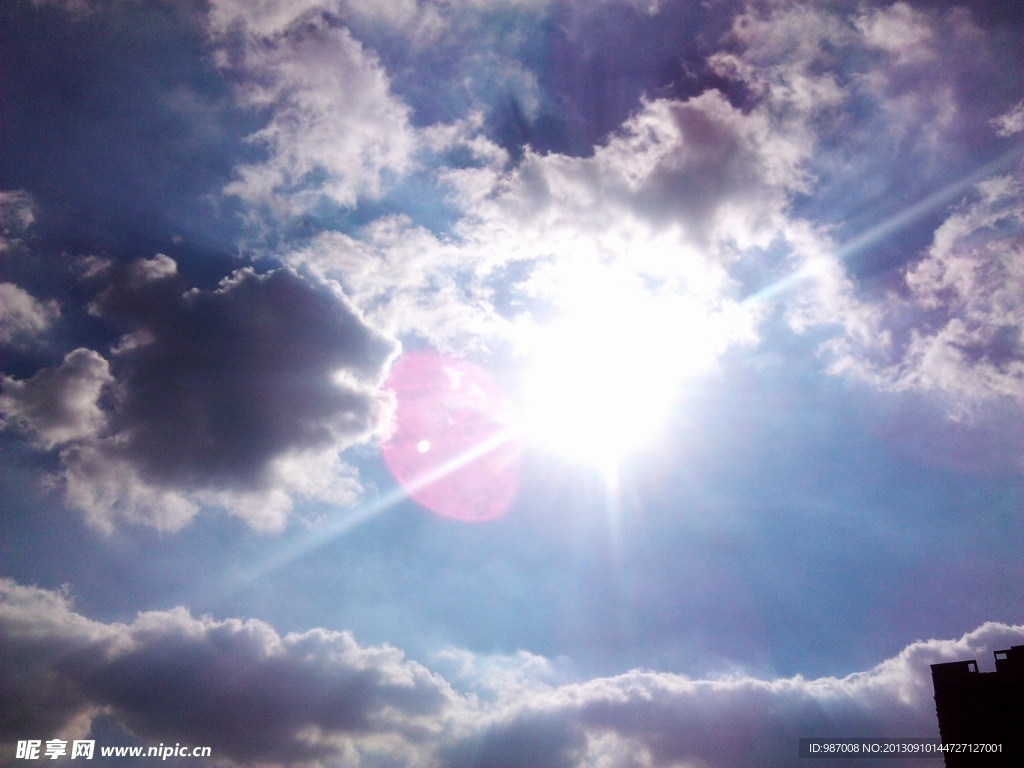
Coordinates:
<point>506,382</point>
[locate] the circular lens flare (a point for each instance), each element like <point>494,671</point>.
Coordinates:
<point>453,449</point>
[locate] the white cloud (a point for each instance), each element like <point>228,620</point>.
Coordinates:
<point>335,129</point>
<point>662,212</point>
<point>955,329</point>
<point>672,213</point>
<point>15,210</point>
<point>788,57</point>
<point>143,271</point>
<point>422,21</point>
<point>686,197</point>
<point>1011,121</point>
<point>675,208</point>
<point>108,489</point>
<point>312,476</point>
<point>670,208</point>
<point>319,697</point>
<point>58,405</point>
<point>889,66</point>
<point>966,301</point>
<point>624,261</point>
<point>899,30</point>
<point>22,316</point>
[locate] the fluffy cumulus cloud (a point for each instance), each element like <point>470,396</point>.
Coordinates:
<point>953,327</point>
<point>664,210</point>
<point>58,405</point>
<point>689,204</point>
<point>240,397</point>
<point>320,697</point>
<point>660,213</point>
<point>22,316</point>
<point>569,267</point>
<point>335,130</point>
<point>252,695</point>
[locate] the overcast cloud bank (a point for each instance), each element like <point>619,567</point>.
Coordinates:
<point>321,698</point>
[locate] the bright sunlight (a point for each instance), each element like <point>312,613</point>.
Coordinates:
<point>602,379</point>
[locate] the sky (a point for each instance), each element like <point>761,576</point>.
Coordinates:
<point>471,383</point>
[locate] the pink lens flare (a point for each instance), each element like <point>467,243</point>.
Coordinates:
<point>453,448</point>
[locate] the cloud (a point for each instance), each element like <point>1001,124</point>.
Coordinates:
<point>959,327</point>
<point>108,488</point>
<point>319,697</point>
<point>871,84</point>
<point>16,214</point>
<point>1011,121</point>
<point>58,405</point>
<point>22,316</point>
<point>39,631</point>
<point>691,200</point>
<point>687,205</point>
<point>15,210</point>
<point>953,327</point>
<point>661,212</point>
<point>251,694</point>
<point>688,210</point>
<point>899,30</point>
<point>240,397</point>
<point>788,56</point>
<point>232,376</point>
<point>335,130</point>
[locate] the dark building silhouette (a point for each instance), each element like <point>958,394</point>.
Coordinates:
<point>982,708</point>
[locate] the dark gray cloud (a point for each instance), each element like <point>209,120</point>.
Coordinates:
<point>39,634</point>
<point>213,384</point>
<point>251,389</point>
<point>533,740</point>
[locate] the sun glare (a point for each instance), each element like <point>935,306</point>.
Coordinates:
<point>602,379</point>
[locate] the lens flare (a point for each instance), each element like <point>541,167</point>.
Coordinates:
<point>453,448</point>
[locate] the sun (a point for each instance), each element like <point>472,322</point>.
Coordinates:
<point>602,379</point>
